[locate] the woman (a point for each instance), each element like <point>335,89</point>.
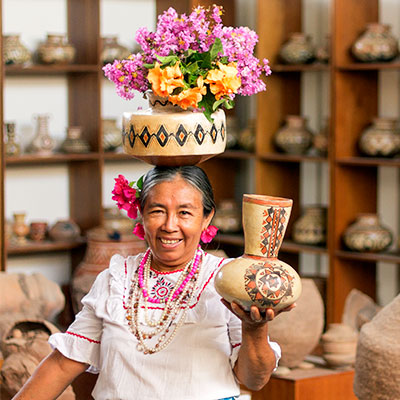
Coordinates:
<point>153,326</point>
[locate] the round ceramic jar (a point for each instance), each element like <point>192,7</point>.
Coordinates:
<point>297,50</point>
<point>113,50</point>
<point>64,230</point>
<point>381,139</point>
<point>116,221</point>
<point>310,228</point>
<point>56,50</point>
<point>112,136</point>
<point>74,143</point>
<point>376,44</point>
<point>14,52</point>
<point>228,217</point>
<point>367,234</point>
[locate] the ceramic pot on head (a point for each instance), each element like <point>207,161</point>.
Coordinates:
<point>258,277</point>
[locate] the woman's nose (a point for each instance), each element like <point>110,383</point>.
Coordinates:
<point>170,224</point>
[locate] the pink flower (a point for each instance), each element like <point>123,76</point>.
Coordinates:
<point>125,196</point>
<point>139,231</point>
<point>208,234</point>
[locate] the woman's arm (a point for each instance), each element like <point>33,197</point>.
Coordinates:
<point>51,377</point>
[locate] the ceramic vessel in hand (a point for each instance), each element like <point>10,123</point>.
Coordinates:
<point>258,277</point>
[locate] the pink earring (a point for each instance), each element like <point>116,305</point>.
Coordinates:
<point>208,234</point>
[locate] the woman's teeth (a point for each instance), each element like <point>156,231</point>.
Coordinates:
<point>165,241</point>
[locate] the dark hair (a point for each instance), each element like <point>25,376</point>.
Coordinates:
<point>190,173</point>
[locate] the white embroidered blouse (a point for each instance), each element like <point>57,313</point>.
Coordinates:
<point>196,365</point>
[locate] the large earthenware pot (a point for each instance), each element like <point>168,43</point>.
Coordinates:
<point>165,134</point>
<point>14,52</point>
<point>297,50</point>
<point>56,50</point>
<point>310,228</point>
<point>258,277</point>
<point>113,50</point>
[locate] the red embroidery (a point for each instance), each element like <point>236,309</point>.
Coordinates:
<point>236,345</point>
<point>123,296</point>
<point>165,272</point>
<point>82,337</point>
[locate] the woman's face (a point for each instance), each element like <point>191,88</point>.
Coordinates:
<point>173,220</point>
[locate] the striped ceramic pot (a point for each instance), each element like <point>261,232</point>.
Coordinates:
<point>258,277</point>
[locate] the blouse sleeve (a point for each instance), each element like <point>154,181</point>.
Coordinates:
<point>81,341</point>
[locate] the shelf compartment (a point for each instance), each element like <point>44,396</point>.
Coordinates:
<point>290,246</point>
<point>111,156</point>
<point>281,157</point>
<point>389,257</point>
<point>315,67</point>
<point>235,239</point>
<point>369,161</point>
<point>44,247</point>
<point>50,69</point>
<point>237,154</point>
<point>51,159</point>
<point>357,67</point>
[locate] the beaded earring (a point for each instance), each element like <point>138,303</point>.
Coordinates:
<point>208,234</point>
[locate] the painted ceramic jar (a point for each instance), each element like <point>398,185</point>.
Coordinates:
<point>113,50</point>
<point>259,277</point>
<point>56,50</point>
<point>228,217</point>
<point>310,228</point>
<point>381,139</point>
<point>14,52</point>
<point>38,230</point>
<point>376,44</point>
<point>12,147</point>
<point>20,228</point>
<point>297,50</point>
<point>294,137</point>
<point>367,234</point>
<point>165,134</point>
<point>115,221</point>
<point>74,143</point>
<point>112,138</point>
<point>64,230</point>
<point>43,143</point>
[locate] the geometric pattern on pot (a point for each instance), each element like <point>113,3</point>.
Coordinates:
<point>181,135</point>
<point>272,232</point>
<point>268,284</point>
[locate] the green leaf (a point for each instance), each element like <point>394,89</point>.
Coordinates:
<point>139,183</point>
<point>218,103</point>
<point>168,60</point>
<point>216,49</point>
<point>148,66</point>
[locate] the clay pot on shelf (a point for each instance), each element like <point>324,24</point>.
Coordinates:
<point>259,277</point>
<point>74,143</point>
<point>323,53</point>
<point>310,228</point>
<point>321,140</point>
<point>64,230</point>
<point>297,50</point>
<point>20,228</point>
<point>232,132</point>
<point>294,137</point>
<point>12,147</point>
<point>112,135</point>
<point>38,231</point>
<point>113,50</point>
<point>42,143</point>
<point>247,136</point>
<point>228,217</point>
<point>14,52</point>
<point>367,234</point>
<point>381,139</point>
<point>116,221</point>
<point>376,44</point>
<point>56,50</point>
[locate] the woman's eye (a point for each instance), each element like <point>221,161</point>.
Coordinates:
<point>156,211</point>
<point>185,212</point>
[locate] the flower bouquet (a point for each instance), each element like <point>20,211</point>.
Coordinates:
<point>192,62</point>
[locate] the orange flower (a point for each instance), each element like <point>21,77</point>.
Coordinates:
<point>164,81</point>
<point>223,81</point>
<point>189,97</point>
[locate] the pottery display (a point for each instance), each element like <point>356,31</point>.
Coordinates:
<point>38,230</point>
<point>116,221</point>
<point>20,228</point>
<point>74,143</point>
<point>12,147</point>
<point>56,50</point>
<point>259,277</point>
<point>14,52</point>
<point>100,249</point>
<point>294,137</point>
<point>228,217</point>
<point>376,44</point>
<point>310,228</point>
<point>112,137</point>
<point>381,139</point>
<point>42,144</point>
<point>113,50</point>
<point>165,134</point>
<point>297,50</point>
<point>321,140</point>
<point>247,137</point>
<point>64,230</point>
<point>367,234</point>
<point>377,366</point>
<point>232,132</point>
<point>308,318</point>
<point>323,53</point>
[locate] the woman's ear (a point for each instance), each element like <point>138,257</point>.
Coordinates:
<point>208,219</point>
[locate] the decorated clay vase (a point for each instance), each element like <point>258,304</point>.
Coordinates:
<point>56,50</point>
<point>297,50</point>
<point>20,228</point>
<point>367,234</point>
<point>115,221</point>
<point>74,143</point>
<point>376,44</point>
<point>113,50</point>
<point>14,52</point>
<point>294,137</point>
<point>64,230</point>
<point>42,143</point>
<point>228,217</point>
<point>112,138</point>
<point>12,147</point>
<point>38,231</point>
<point>258,277</point>
<point>381,139</point>
<point>310,228</point>
<point>165,134</point>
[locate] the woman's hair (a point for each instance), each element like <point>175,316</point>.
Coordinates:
<point>189,173</point>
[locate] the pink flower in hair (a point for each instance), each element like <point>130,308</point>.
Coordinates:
<point>139,231</point>
<point>125,196</point>
<point>208,234</point>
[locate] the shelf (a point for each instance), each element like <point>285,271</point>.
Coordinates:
<point>50,69</point>
<point>369,161</point>
<point>44,247</point>
<point>281,157</point>
<point>111,156</point>
<point>291,247</point>
<point>237,154</point>
<point>235,239</point>
<point>51,159</point>
<point>315,67</point>
<point>389,257</point>
<point>369,66</point>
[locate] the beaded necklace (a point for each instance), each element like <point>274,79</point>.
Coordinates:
<point>160,332</point>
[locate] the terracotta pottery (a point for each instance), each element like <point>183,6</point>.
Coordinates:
<point>100,249</point>
<point>64,230</point>
<point>376,44</point>
<point>367,234</point>
<point>321,140</point>
<point>308,318</point>
<point>310,228</point>
<point>377,366</point>
<point>228,217</point>
<point>38,231</point>
<point>165,134</point>
<point>14,52</point>
<point>12,147</point>
<point>258,277</point>
<point>381,139</point>
<point>113,50</point>
<point>297,50</point>
<point>74,143</point>
<point>43,143</point>
<point>112,138</point>
<point>56,50</point>
<point>116,221</point>
<point>20,228</point>
<point>294,137</point>
<point>247,137</point>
